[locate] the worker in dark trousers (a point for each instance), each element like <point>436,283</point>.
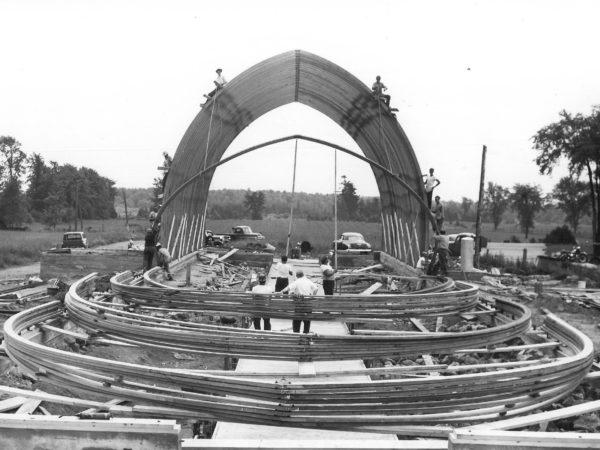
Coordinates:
<point>260,296</point>
<point>378,88</point>
<point>283,271</point>
<point>302,289</point>
<point>441,248</point>
<point>149,249</point>
<point>328,276</point>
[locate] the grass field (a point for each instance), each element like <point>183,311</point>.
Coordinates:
<point>24,247</point>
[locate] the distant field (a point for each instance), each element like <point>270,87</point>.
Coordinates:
<point>24,247</point>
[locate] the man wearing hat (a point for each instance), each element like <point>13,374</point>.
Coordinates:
<point>219,83</point>
<point>164,258</point>
<point>260,295</point>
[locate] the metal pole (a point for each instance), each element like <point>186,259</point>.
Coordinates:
<point>335,228</point>
<point>287,245</point>
<point>479,209</point>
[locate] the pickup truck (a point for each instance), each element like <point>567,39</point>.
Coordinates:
<point>244,238</point>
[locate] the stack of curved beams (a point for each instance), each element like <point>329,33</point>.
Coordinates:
<point>430,400</point>
<point>442,299</point>
<point>297,76</point>
<point>196,337</point>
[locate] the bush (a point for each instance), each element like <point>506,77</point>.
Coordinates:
<point>560,235</point>
<point>515,240</point>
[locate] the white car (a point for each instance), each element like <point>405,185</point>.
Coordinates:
<point>352,242</point>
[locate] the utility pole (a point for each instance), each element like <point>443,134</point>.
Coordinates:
<point>479,209</point>
<point>287,245</point>
<point>126,215</point>
<point>335,211</point>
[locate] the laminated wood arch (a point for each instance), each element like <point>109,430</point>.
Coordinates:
<point>297,76</point>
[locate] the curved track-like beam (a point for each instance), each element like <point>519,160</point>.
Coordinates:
<point>470,395</point>
<point>346,307</point>
<point>258,344</point>
<point>299,76</point>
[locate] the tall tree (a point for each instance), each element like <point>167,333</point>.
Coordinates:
<point>465,206</point>
<point>573,199</point>
<point>13,204</point>
<point>348,200</point>
<point>13,157</point>
<point>495,202</point>
<point>526,201</point>
<point>254,202</point>
<point>575,138</point>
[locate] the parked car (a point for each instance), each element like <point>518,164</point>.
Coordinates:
<point>455,240</point>
<point>243,237</point>
<point>351,242</point>
<point>215,240</point>
<point>74,239</point>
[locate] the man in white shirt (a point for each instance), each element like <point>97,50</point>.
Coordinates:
<point>219,83</point>
<point>328,276</point>
<point>430,183</point>
<point>301,288</point>
<point>283,271</point>
<point>260,295</point>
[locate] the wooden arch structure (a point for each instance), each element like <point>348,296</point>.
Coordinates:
<point>297,76</point>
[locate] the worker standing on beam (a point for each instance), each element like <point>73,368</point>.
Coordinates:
<point>149,248</point>
<point>283,271</point>
<point>328,276</point>
<point>438,212</point>
<point>430,182</point>
<point>300,289</point>
<point>261,299</point>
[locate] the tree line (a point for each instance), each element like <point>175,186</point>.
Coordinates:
<point>32,189</point>
<point>256,205</point>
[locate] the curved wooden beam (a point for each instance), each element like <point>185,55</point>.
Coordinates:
<point>375,164</point>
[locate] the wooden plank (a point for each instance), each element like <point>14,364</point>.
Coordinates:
<point>228,254</point>
<point>306,369</point>
<point>532,419</point>
<point>371,289</point>
<point>464,439</point>
<point>12,403</point>
<point>513,348</point>
<point>368,268</point>
<point>309,444</point>
<point>29,406</point>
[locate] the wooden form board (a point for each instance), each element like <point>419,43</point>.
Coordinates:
<point>22,431</point>
<point>306,444</point>
<point>520,440</point>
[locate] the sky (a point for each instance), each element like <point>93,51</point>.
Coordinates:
<point>112,84</point>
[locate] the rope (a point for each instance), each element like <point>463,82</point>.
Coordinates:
<point>212,112</point>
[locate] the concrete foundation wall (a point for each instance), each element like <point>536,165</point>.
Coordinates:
<point>552,265</point>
